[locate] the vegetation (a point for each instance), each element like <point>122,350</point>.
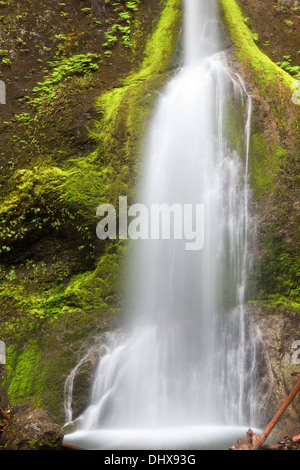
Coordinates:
<point>273,166</point>
<point>55,301</point>
<point>286,65</point>
<point>73,142</point>
<point>81,64</point>
<point>269,77</point>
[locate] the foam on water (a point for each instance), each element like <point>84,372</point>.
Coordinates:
<point>187,438</point>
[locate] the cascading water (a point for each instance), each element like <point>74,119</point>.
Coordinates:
<point>186,359</point>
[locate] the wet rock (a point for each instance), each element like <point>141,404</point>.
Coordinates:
<point>82,384</point>
<point>78,386</point>
<point>31,429</point>
<point>4,403</point>
<point>248,443</point>
<point>276,335</point>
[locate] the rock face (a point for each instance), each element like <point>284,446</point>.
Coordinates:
<point>56,254</point>
<point>279,35</point>
<point>30,429</point>
<point>272,166</point>
<point>276,335</point>
<point>82,383</point>
<point>44,346</point>
<point>4,403</point>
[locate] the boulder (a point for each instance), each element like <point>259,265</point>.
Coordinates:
<point>31,429</point>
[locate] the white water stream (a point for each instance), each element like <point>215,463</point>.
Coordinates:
<point>183,371</point>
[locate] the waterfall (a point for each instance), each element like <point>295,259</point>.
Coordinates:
<point>186,358</point>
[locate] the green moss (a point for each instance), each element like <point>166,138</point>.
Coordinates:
<point>35,205</point>
<point>62,70</point>
<point>160,48</point>
<point>234,127</point>
<point>287,65</point>
<point>111,168</point>
<point>119,134</point>
<point>121,25</point>
<point>24,374</point>
<point>267,74</point>
<point>37,369</point>
<point>49,311</point>
<point>276,87</point>
<point>278,270</point>
<point>273,163</point>
<point>276,304</point>
<point>33,375</point>
<point>101,287</point>
<point>125,109</point>
<point>266,157</point>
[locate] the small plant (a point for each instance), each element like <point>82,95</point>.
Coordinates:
<point>60,37</point>
<point>132,5</point>
<point>246,20</point>
<point>111,39</point>
<point>81,64</point>
<point>288,67</point>
<point>120,27</point>
<point>289,22</point>
<point>125,16</point>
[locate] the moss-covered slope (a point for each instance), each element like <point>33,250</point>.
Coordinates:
<point>59,283</point>
<point>274,159</point>
<point>82,78</point>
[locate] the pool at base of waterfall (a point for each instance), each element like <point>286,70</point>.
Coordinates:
<point>183,438</point>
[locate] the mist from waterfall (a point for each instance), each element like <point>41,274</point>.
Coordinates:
<point>186,358</point>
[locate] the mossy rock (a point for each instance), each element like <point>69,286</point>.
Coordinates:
<point>30,429</point>
<point>273,163</point>
<point>57,301</point>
